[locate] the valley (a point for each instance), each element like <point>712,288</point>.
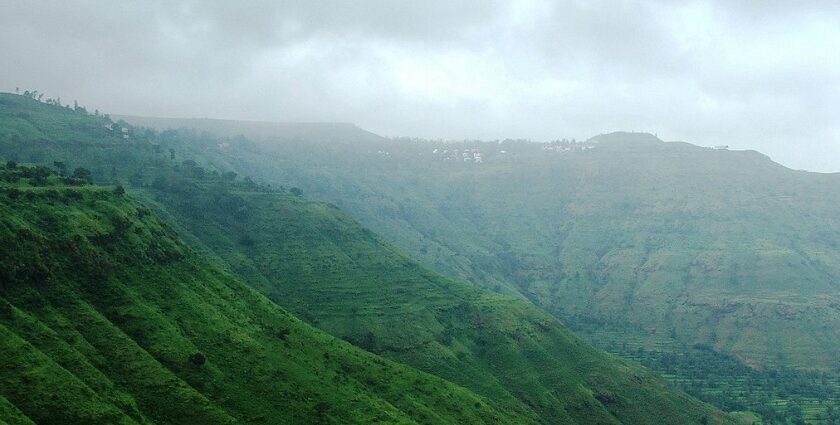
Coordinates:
<point>693,246</point>
<point>488,351</point>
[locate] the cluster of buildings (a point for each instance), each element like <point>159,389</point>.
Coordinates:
<point>475,155</point>
<point>569,146</point>
<point>462,155</point>
<point>123,130</point>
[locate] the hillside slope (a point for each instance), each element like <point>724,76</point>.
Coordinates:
<point>105,317</point>
<point>323,266</point>
<point>700,246</point>
<point>718,268</point>
<point>318,132</point>
<point>318,263</point>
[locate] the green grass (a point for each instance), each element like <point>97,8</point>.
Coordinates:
<point>496,358</point>
<point>724,381</point>
<point>317,262</point>
<point>724,248</point>
<point>102,310</point>
<point>693,245</point>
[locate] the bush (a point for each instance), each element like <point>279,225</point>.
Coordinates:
<point>83,174</point>
<point>283,333</point>
<point>198,359</point>
<point>12,193</point>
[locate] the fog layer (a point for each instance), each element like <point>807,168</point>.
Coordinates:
<point>753,75</point>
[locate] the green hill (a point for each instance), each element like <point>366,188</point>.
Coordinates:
<point>318,263</point>
<point>649,249</point>
<point>714,247</point>
<point>106,317</point>
<point>315,261</point>
<point>324,132</point>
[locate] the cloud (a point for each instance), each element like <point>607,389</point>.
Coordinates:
<point>752,74</point>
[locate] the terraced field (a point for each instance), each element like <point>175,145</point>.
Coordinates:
<point>145,303</point>
<point>705,247</point>
<point>778,395</point>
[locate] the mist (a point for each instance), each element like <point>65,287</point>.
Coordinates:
<point>751,75</point>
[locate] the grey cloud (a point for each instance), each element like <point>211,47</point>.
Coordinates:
<point>752,74</point>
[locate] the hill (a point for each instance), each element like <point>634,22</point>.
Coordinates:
<point>703,246</point>
<point>650,249</point>
<point>317,262</point>
<point>339,276</point>
<point>106,317</point>
<point>257,130</point>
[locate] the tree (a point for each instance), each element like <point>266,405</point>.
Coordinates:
<point>119,190</point>
<point>283,333</point>
<point>296,191</point>
<point>82,174</point>
<point>198,359</point>
<point>171,153</point>
<point>321,409</point>
<point>11,165</point>
<point>38,175</point>
<point>794,410</point>
<point>61,167</point>
<point>366,341</point>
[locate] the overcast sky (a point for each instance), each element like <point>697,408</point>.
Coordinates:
<point>755,74</point>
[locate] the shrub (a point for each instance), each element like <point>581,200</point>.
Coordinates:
<point>83,174</point>
<point>198,359</point>
<point>283,333</point>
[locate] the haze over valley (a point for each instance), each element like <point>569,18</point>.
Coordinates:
<point>525,212</point>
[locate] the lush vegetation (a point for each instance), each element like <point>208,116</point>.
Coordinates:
<point>110,318</point>
<point>107,318</point>
<point>779,395</point>
<point>722,248</point>
<point>318,263</point>
<point>693,246</point>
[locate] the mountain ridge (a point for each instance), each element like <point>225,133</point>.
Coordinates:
<point>261,130</point>
<point>279,130</point>
<point>670,251</point>
<point>588,383</point>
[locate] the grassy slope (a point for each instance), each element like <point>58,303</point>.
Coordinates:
<point>714,247</point>
<point>498,347</point>
<point>318,263</point>
<point>503,358</point>
<point>101,308</point>
<point>650,249</point>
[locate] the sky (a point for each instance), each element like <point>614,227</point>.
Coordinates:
<point>750,74</point>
